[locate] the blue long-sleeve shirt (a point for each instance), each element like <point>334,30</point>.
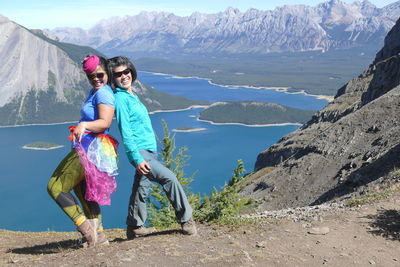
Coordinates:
<point>134,124</point>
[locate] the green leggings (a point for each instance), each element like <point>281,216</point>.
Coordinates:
<point>68,176</point>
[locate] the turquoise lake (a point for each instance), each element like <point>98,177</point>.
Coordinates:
<point>213,152</point>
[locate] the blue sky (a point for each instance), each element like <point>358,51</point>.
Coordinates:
<point>85,13</point>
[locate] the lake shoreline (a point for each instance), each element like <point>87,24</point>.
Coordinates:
<point>177,110</point>
<point>39,124</point>
<point>250,125</point>
<point>42,148</point>
<point>75,122</point>
<point>232,87</point>
<point>189,130</point>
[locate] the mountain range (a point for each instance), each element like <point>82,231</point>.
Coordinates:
<point>38,80</point>
<point>41,80</point>
<point>330,25</point>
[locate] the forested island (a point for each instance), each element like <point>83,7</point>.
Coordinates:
<point>254,113</point>
<point>42,146</point>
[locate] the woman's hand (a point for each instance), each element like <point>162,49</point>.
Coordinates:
<point>143,168</point>
<point>78,132</point>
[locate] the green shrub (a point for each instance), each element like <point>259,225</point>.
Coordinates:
<point>226,203</point>
<point>220,206</point>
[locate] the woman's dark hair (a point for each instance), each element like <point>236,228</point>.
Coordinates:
<point>104,64</point>
<point>120,61</point>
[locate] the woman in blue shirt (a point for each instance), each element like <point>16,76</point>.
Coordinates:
<point>91,181</point>
<point>141,148</point>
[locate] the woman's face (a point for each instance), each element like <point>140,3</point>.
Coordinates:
<point>123,77</point>
<point>98,78</point>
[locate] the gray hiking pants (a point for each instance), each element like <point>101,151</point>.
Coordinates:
<point>137,211</point>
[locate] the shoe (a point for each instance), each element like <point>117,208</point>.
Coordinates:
<point>88,232</point>
<point>132,232</point>
<point>102,239</point>
<point>101,236</point>
<point>189,227</point>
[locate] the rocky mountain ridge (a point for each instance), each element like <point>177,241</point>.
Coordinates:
<point>41,80</point>
<point>34,70</point>
<point>346,147</point>
<point>330,25</point>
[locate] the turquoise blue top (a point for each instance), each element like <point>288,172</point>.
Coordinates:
<point>134,124</point>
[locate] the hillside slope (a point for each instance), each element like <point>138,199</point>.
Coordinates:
<point>326,236</point>
<point>39,82</point>
<point>348,146</point>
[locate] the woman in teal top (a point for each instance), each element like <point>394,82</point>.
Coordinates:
<point>141,148</point>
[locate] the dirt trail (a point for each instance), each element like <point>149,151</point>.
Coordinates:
<point>368,235</point>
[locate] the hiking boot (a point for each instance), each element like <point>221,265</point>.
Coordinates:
<point>132,232</point>
<point>189,227</point>
<point>102,239</point>
<point>101,236</point>
<point>88,232</point>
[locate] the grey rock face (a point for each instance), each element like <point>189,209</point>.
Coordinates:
<point>27,61</point>
<point>330,25</point>
<point>350,143</point>
<point>39,82</point>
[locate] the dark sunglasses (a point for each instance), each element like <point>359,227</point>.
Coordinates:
<point>119,73</point>
<point>99,75</point>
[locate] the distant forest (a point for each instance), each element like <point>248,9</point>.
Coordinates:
<point>253,113</point>
<point>315,72</point>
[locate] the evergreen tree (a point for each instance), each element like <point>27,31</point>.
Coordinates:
<point>223,203</point>
<point>161,212</point>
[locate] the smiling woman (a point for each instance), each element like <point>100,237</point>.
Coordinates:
<point>140,146</point>
<point>90,168</point>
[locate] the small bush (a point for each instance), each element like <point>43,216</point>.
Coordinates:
<point>222,205</point>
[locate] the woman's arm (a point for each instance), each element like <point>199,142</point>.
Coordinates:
<point>106,114</point>
<point>122,114</point>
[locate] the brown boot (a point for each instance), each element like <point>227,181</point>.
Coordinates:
<point>189,227</point>
<point>132,232</point>
<point>101,236</point>
<point>88,232</point>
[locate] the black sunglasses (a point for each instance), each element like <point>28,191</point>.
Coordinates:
<point>119,73</point>
<point>99,75</point>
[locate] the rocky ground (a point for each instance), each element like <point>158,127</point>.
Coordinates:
<point>331,235</point>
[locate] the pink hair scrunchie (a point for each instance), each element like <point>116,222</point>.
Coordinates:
<point>90,63</point>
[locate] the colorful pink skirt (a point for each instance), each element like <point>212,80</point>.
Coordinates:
<point>99,158</point>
